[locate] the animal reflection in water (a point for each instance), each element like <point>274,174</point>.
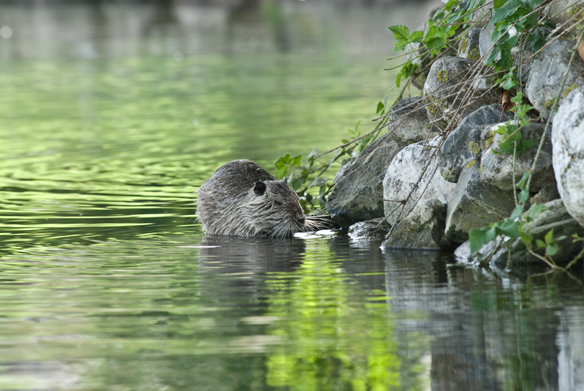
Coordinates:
<point>231,267</point>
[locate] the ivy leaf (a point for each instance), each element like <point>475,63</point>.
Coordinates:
<point>549,236</point>
<point>536,40</point>
<point>450,4</point>
<point>400,45</point>
<point>523,195</point>
<point>400,33</point>
<point>296,161</point>
<point>297,183</point>
<point>508,228</point>
<point>312,154</point>
<point>432,40</point>
<point>526,239</point>
<point>417,36</point>
<point>551,249</point>
<point>506,60</point>
<point>499,3</point>
<point>380,106</point>
<point>398,78</point>
<point>535,211</point>
<point>532,3</point>
<point>510,83</point>
<point>523,181</point>
<point>507,9</point>
<point>479,237</point>
<point>407,70</point>
<point>516,212</point>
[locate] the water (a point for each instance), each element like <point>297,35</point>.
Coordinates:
<point>111,116</point>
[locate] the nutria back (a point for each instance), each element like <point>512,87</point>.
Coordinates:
<point>243,199</point>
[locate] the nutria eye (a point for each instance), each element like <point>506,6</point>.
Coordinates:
<point>259,188</point>
<point>276,203</point>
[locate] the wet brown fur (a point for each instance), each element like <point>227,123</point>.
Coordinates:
<point>227,203</point>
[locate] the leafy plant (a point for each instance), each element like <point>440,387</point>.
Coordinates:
<point>512,19</point>
<point>306,178</point>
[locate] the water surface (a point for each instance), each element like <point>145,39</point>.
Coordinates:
<point>112,115</point>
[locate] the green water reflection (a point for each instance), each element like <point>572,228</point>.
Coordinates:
<point>109,125</point>
<point>336,337</point>
<point>114,144</point>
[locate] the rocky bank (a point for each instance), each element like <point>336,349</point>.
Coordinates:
<point>438,172</point>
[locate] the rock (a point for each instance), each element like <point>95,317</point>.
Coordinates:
<point>474,204</point>
<point>374,229</point>
<point>413,128</point>
<point>444,93</point>
<point>484,254</point>
<point>568,153</point>
<point>484,14</point>
<point>497,169</point>
<point>547,73</point>
<point>561,10</point>
<point>462,146</point>
<point>485,41</point>
<point>501,254</point>
<point>358,191</point>
<point>469,45</point>
<point>404,173</point>
<point>423,228</point>
<point>548,193</point>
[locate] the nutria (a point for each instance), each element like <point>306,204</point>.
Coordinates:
<point>243,199</point>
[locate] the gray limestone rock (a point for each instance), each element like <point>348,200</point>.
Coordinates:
<point>474,204</point>
<point>446,96</point>
<point>358,191</point>
<point>497,169</point>
<point>485,41</point>
<point>568,153</point>
<point>423,228</point>
<point>462,147</point>
<point>406,175</point>
<point>561,10</point>
<point>484,14</point>
<point>469,45</point>
<point>374,229</point>
<point>547,73</point>
<point>409,123</point>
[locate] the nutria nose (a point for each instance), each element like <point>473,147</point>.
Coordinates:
<point>300,219</point>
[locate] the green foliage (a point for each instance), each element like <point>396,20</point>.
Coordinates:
<point>508,227</point>
<point>512,140</point>
<point>408,70</point>
<point>512,19</point>
<point>550,244</point>
<point>402,36</point>
<point>307,179</point>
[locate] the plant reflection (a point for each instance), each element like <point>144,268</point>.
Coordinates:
<point>335,337</point>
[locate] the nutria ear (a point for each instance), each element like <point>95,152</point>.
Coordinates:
<point>259,188</point>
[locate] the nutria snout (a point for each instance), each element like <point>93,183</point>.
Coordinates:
<point>243,199</point>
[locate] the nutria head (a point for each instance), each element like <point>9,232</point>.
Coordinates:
<point>271,209</point>
<point>242,199</point>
